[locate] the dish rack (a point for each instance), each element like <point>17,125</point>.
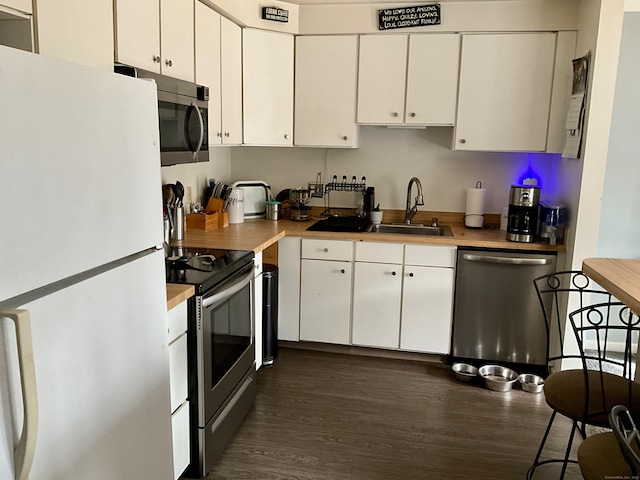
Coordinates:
<point>335,185</point>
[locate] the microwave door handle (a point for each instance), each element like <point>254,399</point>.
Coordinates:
<point>201,124</point>
<point>25,450</point>
<point>226,293</point>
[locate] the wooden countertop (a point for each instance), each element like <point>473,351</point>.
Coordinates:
<point>259,234</point>
<point>620,277</point>
<point>176,294</point>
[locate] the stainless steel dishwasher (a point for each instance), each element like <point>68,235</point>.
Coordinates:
<point>497,315</point>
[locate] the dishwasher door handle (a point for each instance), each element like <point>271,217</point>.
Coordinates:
<point>506,260</point>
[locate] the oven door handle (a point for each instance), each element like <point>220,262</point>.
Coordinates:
<point>227,292</point>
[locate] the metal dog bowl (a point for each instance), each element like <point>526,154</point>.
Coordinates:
<point>464,372</point>
<point>531,383</point>
<point>497,378</point>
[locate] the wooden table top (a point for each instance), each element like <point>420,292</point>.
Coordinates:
<point>620,277</point>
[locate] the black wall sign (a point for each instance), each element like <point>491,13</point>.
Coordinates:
<point>275,14</point>
<point>409,17</point>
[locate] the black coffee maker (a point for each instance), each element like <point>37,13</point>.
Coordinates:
<point>522,225</point>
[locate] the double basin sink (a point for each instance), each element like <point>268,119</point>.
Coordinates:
<point>404,229</point>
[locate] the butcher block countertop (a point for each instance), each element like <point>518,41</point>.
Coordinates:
<point>176,294</point>
<point>259,234</point>
<point>618,276</point>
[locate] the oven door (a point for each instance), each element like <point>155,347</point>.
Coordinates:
<point>183,129</point>
<point>225,340</point>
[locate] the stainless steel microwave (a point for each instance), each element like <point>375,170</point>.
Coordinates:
<point>182,117</point>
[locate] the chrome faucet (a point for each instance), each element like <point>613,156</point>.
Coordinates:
<point>411,211</point>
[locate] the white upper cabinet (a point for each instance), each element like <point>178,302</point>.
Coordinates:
<point>76,30</point>
<point>325,91</point>
<point>177,38</point>
<point>268,87</point>
<point>219,67</point>
<point>207,38</point>
<point>505,92</point>
<point>156,35</point>
<point>231,72</point>
<point>381,78</point>
<point>408,79</point>
<point>432,79</point>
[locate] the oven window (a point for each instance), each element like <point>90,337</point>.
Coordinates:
<point>230,332</point>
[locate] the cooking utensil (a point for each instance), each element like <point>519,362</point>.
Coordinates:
<point>179,193</point>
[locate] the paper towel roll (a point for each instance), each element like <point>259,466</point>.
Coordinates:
<point>474,212</point>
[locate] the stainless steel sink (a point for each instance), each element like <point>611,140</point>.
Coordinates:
<point>402,229</point>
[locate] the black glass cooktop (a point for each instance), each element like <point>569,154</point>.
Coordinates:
<point>340,224</point>
<point>204,267</point>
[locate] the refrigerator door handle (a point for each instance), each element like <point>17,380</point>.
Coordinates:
<point>506,260</point>
<point>24,451</point>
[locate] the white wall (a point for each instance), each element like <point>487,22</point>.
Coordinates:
<point>600,27</point>
<point>389,158</point>
<point>197,175</point>
<point>620,220</point>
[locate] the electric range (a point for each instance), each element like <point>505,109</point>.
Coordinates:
<point>204,267</point>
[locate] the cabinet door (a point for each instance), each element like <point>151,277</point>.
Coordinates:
<point>207,38</point>
<point>180,438</point>
<point>381,79</point>
<point>137,29</point>
<point>505,91</point>
<point>268,87</point>
<point>178,371</point>
<point>427,303</point>
<point>289,289</point>
<point>325,91</point>
<point>231,72</point>
<point>177,39</point>
<point>377,290</point>
<point>325,301</point>
<point>76,30</point>
<point>432,79</point>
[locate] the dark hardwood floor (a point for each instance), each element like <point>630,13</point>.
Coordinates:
<point>328,416</point>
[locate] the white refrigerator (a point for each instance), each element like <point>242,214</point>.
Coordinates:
<point>80,232</point>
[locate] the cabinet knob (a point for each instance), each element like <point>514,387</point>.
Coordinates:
<point>462,140</point>
<point>226,134</point>
<point>286,136</point>
<point>411,274</point>
<point>413,114</point>
<point>156,58</point>
<point>342,270</point>
<point>169,63</point>
<point>325,250</point>
<point>219,134</point>
<point>395,114</point>
<point>393,273</point>
<point>345,138</point>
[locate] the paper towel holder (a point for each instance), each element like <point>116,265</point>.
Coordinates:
<point>474,212</point>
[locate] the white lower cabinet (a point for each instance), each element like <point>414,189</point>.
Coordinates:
<point>289,249</point>
<point>178,378</point>
<point>427,298</point>
<point>400,296</point>
<point>325,291</point>
<point>377,294</point>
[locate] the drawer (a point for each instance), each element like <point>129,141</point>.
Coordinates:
<point>180,439</point>
<point>178,373</point>
<point>176,321</point>
<point>379,252</point>
<point>327,249</point>
<point>430,255</point>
